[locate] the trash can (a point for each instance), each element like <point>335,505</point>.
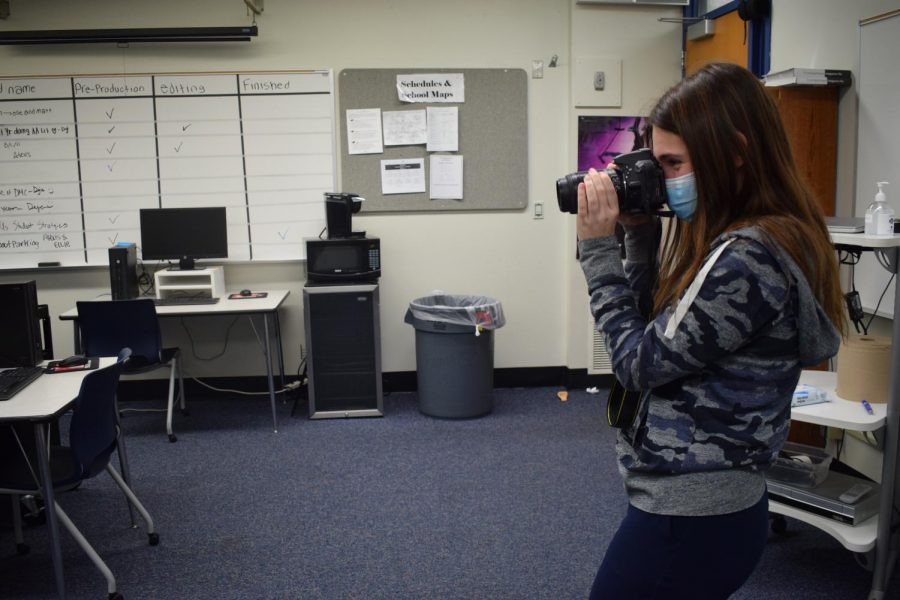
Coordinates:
<point>455,353</point>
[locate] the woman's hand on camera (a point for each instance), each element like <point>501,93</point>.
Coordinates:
<point>598,206</point>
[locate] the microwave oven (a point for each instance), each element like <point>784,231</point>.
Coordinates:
<point>339,260</point>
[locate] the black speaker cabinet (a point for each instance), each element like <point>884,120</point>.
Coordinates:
<point>20,329</point>
<point>343,346</point>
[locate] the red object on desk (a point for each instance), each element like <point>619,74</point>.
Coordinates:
<point>90,365</point>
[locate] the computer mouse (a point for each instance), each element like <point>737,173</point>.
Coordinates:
<point>246,293</point>
<point>75,360</point>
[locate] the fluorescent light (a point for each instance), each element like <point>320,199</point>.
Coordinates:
<point>97,36</point>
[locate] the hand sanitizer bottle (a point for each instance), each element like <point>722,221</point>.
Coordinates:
<point>880,215</point>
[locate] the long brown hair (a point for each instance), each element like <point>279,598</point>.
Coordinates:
<point>745,175</point>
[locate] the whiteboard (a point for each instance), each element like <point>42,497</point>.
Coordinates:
<point>878,142</point>
<point>81,155</point>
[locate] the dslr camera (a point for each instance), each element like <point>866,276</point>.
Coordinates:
<point>639,183</point>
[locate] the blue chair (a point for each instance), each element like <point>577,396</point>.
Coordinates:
<point>107,325</point>
<point>93,437</point>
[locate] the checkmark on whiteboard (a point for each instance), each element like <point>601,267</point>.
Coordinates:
<point>283,236</point>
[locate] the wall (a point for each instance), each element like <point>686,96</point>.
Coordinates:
<point>825,34</point>
<point>526,263</point>
<point>651,62</point>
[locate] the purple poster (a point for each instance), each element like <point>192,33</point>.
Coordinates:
<point>600,139</point>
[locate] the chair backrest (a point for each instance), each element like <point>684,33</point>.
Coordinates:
<point>107,326</point>
<point>93,430</point>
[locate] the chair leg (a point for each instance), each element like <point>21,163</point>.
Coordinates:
<point>170,406</point>
<point>151,533</point>
<point>181,385</point>
<point>88,549</point>
<point>123,463</point>
<point>21,548</point>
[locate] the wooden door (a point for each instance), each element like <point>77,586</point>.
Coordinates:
<point>727,44</point>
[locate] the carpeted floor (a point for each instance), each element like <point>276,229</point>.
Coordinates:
<point>519,504</point>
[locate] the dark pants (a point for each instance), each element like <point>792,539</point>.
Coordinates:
<point>665,557</point>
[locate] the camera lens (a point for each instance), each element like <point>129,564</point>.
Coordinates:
<point>567,191</point>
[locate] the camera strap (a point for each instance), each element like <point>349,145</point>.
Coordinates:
<point>622,404</point>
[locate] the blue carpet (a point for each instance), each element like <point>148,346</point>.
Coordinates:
<point>519,504</point>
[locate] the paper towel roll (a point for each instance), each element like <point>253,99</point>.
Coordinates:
<point>863,368</point>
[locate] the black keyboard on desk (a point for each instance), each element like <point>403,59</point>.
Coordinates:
<point>184,300</point>
<point>13,380</point>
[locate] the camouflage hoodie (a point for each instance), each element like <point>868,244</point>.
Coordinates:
<point>718,370</point>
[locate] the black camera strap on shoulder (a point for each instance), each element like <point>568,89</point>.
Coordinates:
<point>622,404</point>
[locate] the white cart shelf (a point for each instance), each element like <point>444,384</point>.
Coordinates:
<point>841,414</point>
<point>195,282</point>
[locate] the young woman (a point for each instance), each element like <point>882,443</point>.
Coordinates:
<point>747,295</point>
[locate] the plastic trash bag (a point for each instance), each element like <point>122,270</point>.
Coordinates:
<point>455,313</point>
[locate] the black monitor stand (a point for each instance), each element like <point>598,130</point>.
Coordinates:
<point>185,263</point>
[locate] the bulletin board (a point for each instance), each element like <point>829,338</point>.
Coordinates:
<point>81,155</point>
<point>878,144</point>
<point>493,140</point>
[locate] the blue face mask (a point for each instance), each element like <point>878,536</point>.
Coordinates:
<point>682,195</point>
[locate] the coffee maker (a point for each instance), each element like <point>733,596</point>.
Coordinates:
<point>339,209</point>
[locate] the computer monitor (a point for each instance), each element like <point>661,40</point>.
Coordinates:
<point>184,234</point>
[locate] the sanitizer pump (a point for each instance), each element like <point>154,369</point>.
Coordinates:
<point>880,215</point>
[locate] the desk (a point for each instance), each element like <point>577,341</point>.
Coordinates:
<point>266,307</point>
<point>42,401</point>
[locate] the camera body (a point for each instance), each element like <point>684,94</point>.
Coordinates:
<point>639,183</point>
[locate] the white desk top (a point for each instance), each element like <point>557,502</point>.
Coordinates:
<point>46,396</point>
<point>839,413</point>
<point>866,241</point>
<point>223,307</point>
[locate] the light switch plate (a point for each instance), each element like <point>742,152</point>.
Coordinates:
<point>584,72</point>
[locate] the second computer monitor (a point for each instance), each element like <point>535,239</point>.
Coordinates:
<point>184,234</point>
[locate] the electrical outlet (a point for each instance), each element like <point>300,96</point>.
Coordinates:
<point>537,69</point>
<point>599,80</point>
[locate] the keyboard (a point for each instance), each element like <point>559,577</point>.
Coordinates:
<point>184,300</point>
<point>12,381</point>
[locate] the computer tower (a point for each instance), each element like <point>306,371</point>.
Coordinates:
<point>123,272</point>
<point>343,345</point>
<point>20,330</point>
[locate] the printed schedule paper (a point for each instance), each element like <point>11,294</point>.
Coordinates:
<point>403,176</point>
<point>364,131</point>
<point>446,177</point>
<point>443,128</point>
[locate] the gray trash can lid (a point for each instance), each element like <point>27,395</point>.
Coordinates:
<point>455,309</point>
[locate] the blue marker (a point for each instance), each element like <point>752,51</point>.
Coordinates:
<point>867,406</point>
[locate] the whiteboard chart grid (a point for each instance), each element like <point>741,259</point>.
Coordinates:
<point>81,155</point>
